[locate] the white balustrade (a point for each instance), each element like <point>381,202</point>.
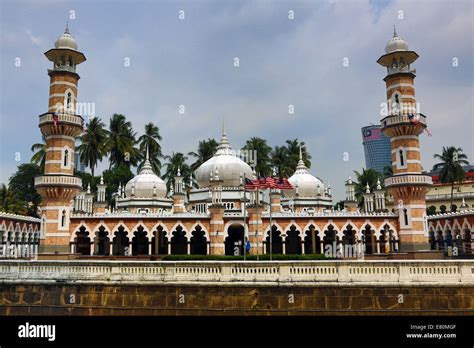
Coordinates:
<point>394,272</point>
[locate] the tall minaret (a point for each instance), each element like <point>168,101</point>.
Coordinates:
<point>403,124</point>
<point>60,126</point>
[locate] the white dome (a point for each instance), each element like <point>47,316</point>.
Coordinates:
<point>308,185</point>
<point>146,184</point>
<point>396,43</point>
<point>228,165</point>
<point>66,41</point>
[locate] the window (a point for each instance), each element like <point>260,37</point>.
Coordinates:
<point>397,99</point>
<point>405,216</point>
<point>63,218</point>
<point>66,157</point>
<point>68,101</point>
<point>402,161</point>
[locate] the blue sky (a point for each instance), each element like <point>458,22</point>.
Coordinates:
<point>190,62</point>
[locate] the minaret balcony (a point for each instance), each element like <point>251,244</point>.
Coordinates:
<point>65,124</point>
<point>395,120</point>
<point>409,179</point>
<point>58,180</point>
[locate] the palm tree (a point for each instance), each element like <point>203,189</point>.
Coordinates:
<point>39,157</point>
<point>121,142</point>
<point>10,202</point>
<point>450,168</point>
<point>280,161</point>
<point>263,152</point>
<point>176,161</point>
<point>93,144</point>
<point>293,147</point>
<point>387,171</point>
<point>367,176</point>
<point>206,149</point>
<point>150,140</point>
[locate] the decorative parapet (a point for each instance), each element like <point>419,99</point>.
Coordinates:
<point>125,215</point>
<point>457,195</point>
<point>61,118</point>
<point>19,217</point>
<point>61,180</point>
<point>400,119</point>
<point>399,273</point>
<point>408,180</point>
<point>468,212</point>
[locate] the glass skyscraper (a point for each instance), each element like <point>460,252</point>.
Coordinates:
<point>377,148</point>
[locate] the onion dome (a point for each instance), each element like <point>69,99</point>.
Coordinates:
<point>146,184</point>
<point>396,43</point>
<point>226,163</point>
<point>307,184</point>
<point>66,41</point>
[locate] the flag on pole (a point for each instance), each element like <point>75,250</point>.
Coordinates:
<point>284,184</point>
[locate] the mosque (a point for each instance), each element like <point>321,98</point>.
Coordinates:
<point>220,215</point>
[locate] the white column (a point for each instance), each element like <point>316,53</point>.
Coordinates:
<point>189,248</point>
<point>169,248</point>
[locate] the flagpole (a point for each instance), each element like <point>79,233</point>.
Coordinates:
<point>271,230</point>
<point>258,216</point>
<point>243,215</point>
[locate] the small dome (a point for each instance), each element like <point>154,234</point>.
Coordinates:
<point>308,185</point>
<point>66,41</point>
<point>146,184</point>
<point>228,165</point>
<point>396,43</point>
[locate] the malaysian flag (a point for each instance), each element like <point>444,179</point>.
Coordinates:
<point>251,184</point>
<point>372,134</point>
<point>284,184</point>
<point>268,182</point>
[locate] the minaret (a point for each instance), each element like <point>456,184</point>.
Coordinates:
<point>403,124</point>
<point>60,127</point>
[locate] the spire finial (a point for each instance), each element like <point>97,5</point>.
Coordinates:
<point>147,153</point>
<point>301,154</point>
<point>66,31</point>
<point>394,31</point>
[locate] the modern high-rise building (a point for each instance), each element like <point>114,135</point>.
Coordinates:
<point>78,164</point>
<point>377,148</point>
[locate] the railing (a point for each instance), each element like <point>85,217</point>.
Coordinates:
<point>448,196</point>
<point>397,119</point>
<point>58,180</point>
<point>62,118</point>
<point>408,179</point>
<point>414,272</point>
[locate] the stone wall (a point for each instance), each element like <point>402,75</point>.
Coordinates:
<point>70,299</point>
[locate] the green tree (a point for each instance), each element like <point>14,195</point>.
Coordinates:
<point>367,176</point>
<point>121,142</point>
<point>10,202</point>
<point>22,183</point>
<point>176,161</point>
<point>280,161</point>
<point>450,168</point>
<point>263,151</point>
<point>387,171</point>
<point>206,149</point>
<point>39,156</point>
<point>114,177</point>
<point>93,144</point>
<point>293,147</point>
<point>151,140</point>
<point>339,205</point>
